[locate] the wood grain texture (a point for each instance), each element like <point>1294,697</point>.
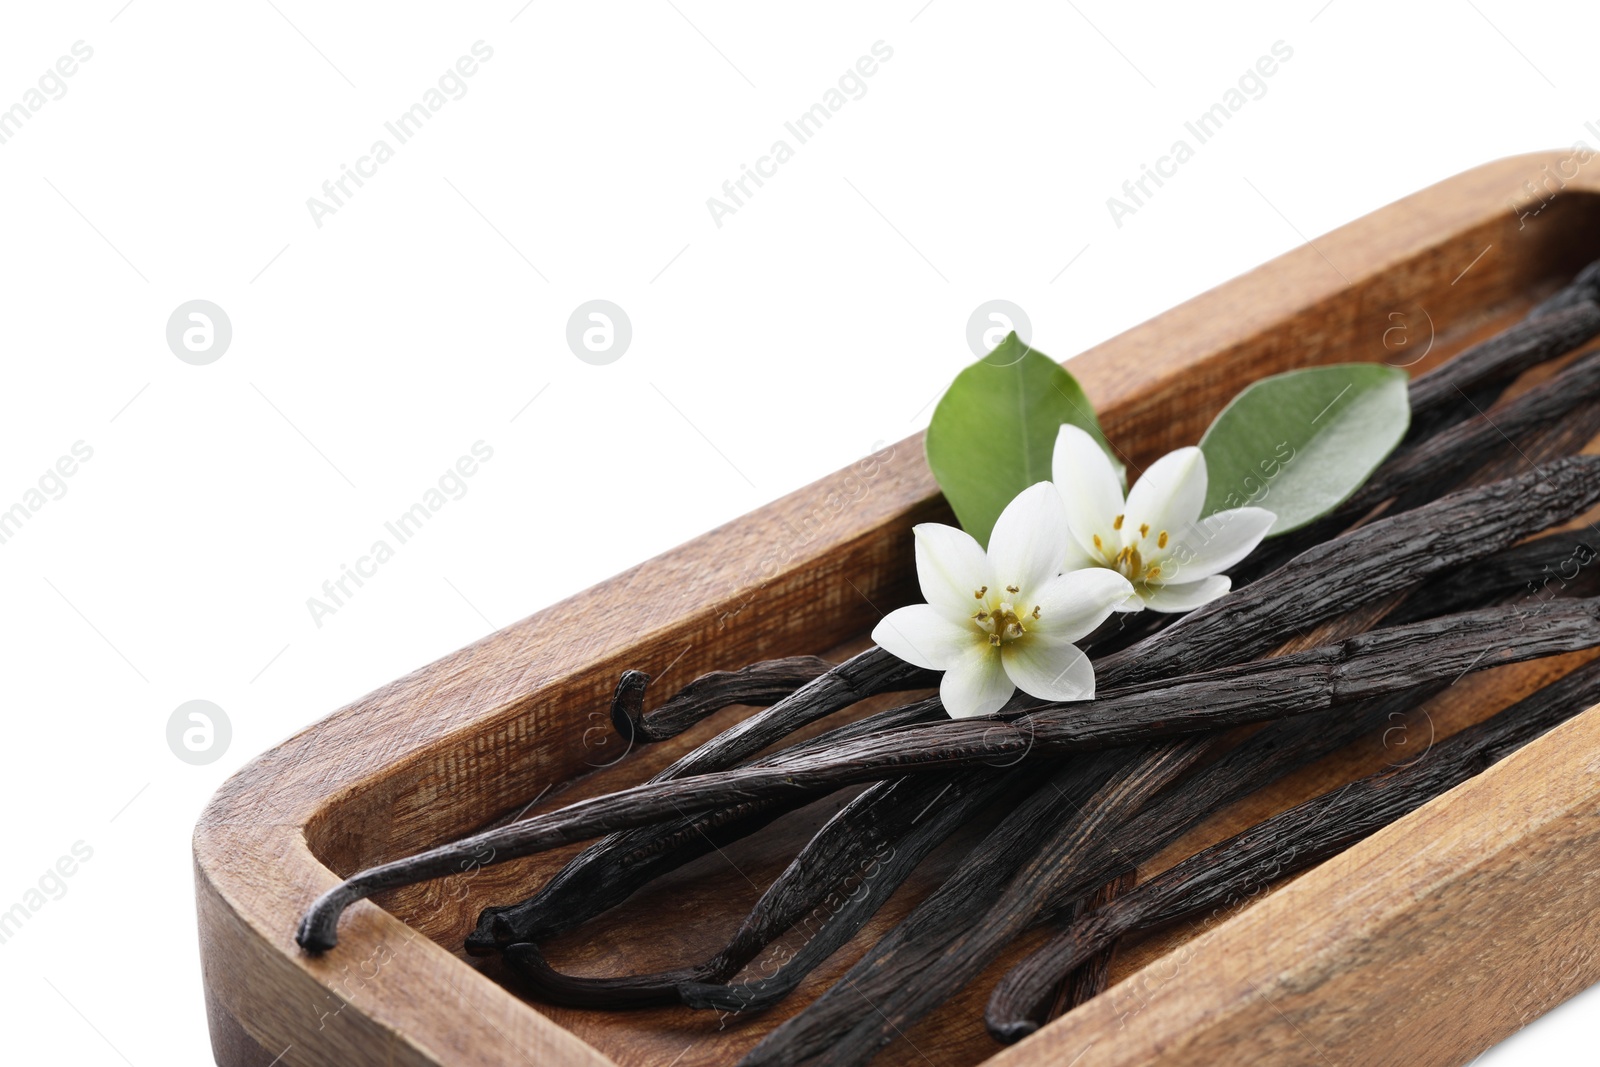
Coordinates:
<point>521,716</point>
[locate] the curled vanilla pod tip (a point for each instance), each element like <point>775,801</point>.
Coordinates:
<point>757,685</point>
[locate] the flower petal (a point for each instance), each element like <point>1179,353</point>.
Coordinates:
<point>1217,542</point>
<point>1168,495</point>
<point>1133,603</point>
<point>1030,540</point>
<point>923,636</point>
<point>1186,596</point>
<point>951,566</point>
<point>1076,602</point>
<point>975,684</point>
<point>1048,667</point>
<point>1088,484</point>
<point>1077,559</point>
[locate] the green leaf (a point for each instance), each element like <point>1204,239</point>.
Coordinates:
<point>1300,443</point>
<point>994,430</point>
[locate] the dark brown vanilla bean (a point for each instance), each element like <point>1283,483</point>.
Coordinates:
<point>1585,285</point>
<point>635,857</point>
<point>1552,566</point>
<point>1261,759</point>
<point>1384,557</point>
<point>632,860</point>
<point>1366,666</point>
<point>1162,823</point>
<point>1237,868</point>
<point>949,953</point>
<point>1069,859</point>
<point>878,840</point>
<point>873,813</point>
<point>653,801</point>
<point>757,685</point>
<point>1264,758</point>
<point>1500,359</point>
<point>937,806</point>
<point>841,877</point>
<point>1556,565</point>
<point>941,926</point>
<point>1488,366</point>
<point>591,882</point>
<point>919,711</point>
<point>992,863</point>
<point>1467,443</point>
<point>1268,755</point>
<point>866,674</point>
<point>1455,397</point>
<point>1123,629</point>
<point>1091,977</point>
<point>871,672</point>
<point>1291,743</point>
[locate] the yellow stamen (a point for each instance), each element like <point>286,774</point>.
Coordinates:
<point>1011,589</point>
<point>1116,523</point>
<point>979,593</point>
<point>1161,542</point>
<point>1144,529</point>
<point>1002,624</point>
<point>1098,547</point>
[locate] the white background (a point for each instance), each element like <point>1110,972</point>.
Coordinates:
<point>428,313</point>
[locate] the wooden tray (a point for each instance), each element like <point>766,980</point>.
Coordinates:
<point>1424,945</point>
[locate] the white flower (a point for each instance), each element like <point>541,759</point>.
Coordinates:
<point>1155,538</point>
<point>1003,620</point>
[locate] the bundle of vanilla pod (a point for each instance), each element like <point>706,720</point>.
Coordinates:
<point>1442,563</point>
